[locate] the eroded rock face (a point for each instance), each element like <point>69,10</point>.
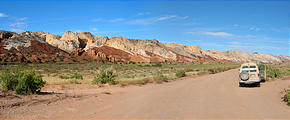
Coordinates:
<point>23,40</point>
<point>140,47</point>
<point>70,41</point>
<point>85,47</point>
<point>6,34</point>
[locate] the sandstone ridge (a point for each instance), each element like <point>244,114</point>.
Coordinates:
<point>85,47</point>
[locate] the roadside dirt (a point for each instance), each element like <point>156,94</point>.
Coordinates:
<point>214,96</point>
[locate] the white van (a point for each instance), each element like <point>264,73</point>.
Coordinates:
<point>249,74</point>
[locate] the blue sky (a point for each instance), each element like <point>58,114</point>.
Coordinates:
<point>248,26</point>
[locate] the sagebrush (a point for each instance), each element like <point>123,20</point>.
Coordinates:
<point>105,76</point>
<point>180,73</point>
<point>22,82</point>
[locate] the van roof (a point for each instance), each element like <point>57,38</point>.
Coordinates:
<point>247,64</point>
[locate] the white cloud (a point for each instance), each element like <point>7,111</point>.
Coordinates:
<point>166,17</point>
<point>152,20</point>
<point>116,20</point>
<point>94,29</point>
<point>254,28</point>
<point>3,15</point>
<point>218,34</point>
<point>17,24</point>
<point>16,30</point>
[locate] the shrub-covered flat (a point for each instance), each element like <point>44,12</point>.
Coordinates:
<point>63,73</point>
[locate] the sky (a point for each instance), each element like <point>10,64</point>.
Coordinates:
<point>248,26</point>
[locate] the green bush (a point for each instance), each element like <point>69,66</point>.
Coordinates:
<point>21,82</point>
<point>261,67</point>
<point>64,77</point>
<point>77,76</point>
<point>287,97</point>
<point>9,78</point>
<point>180,73</point>
<point>105,76</point>
<point>29,82</point>
<point>273,72</point>
<point>159,78</point>
<point>188,70</point>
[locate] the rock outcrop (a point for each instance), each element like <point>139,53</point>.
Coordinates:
<point>85,47</point>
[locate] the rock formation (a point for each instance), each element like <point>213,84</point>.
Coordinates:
<point>85,47</point>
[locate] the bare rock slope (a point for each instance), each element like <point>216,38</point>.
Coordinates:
<point>85,47</point>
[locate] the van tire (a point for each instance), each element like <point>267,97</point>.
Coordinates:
<point>241,85</point>
<point>258,84</point>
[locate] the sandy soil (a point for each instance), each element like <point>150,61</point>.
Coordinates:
<point>214,96</point>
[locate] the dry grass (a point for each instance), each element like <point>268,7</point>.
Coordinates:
<point>126,73</point>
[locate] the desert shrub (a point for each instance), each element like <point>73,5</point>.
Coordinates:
<point>261,67</point>
<point>9,78</point>
<point>76,76</point>
<point>180,73</point>
<point>159,78</point>
<point>21,82</point>
<point>212,70</point>
<point>105,76</point>
<point>273,72</point>
<point>64,77</point>
<point>188,70</point>
<point>142,75</point>
<point>217,70</point>
<point>157,65</point>
<point>29,82</point>
<point>287,96</point>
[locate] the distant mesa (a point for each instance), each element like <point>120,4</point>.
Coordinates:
<point>83,47</point>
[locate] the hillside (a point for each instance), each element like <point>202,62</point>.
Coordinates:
<point>84,47</point>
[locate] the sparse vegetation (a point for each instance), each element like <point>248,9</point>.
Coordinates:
<point>159,78</point>
<point>287,96</point>
<point>135,82</point>
<point>77,76</point>
<point>277,71</point>
<point>105,76</point>
<point>64,77</point>
<point>62,73</point>
<point>273,72</point>
<point>188,70</point>
<point>180,73</point>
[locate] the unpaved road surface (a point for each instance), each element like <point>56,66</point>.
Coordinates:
<point>206,97</point>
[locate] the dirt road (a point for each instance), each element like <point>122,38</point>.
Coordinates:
<point>210,96</point>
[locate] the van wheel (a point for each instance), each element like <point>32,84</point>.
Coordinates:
<point>241,85</point>
<point>258,84</point>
